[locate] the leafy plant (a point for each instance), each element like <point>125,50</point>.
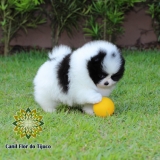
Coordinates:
<point>65,15</point>
<point>18,14</point>
<point>106,18</point>
<point>154,10</point>
<point>94,30</point>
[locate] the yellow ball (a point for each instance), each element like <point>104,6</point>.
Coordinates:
<point>104,108</point>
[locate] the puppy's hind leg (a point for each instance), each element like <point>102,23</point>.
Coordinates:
<point>48,105</point>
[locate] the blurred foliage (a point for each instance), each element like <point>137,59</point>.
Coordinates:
<point>18,14</point>
<point>103,18</point>
<point>65,15</point>
<point>106,18</point>
<point>154,10</point>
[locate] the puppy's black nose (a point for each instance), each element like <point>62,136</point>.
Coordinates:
<point>106,83</point>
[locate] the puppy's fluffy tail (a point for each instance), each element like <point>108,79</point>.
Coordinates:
<point>59,50</point>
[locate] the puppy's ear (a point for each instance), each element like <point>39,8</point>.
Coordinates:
<point>99,57</point>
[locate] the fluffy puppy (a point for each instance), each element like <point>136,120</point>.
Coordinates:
<point>80,77</point>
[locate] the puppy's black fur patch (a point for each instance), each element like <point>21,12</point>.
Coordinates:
<point>62,72</point>
<point>119,74</point>
<point>95,67</point>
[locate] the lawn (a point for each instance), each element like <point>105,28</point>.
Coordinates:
<point>132,133</point>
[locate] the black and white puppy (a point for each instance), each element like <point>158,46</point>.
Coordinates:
<point>80,77</point>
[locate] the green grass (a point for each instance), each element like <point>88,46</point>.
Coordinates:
<point>132,133</point>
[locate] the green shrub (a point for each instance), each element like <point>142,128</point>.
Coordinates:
<point>15,15</point>
<point>154,10</point>
<point>65,15</point>
<point>106,18</point>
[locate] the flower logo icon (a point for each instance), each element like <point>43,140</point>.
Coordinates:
<point>28,123</point>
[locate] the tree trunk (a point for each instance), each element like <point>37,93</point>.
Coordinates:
<point>6,45</point>
<point>104,29</point>
<point>55,36</point>
<point>110,38</point>
<point>7,37</point>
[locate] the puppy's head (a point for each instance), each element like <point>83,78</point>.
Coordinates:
<point>106,66</point>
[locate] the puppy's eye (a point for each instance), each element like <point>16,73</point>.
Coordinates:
<point>116,77</point>
<point>101,76</point>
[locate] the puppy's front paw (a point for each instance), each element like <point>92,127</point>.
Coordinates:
<point>94,98</point>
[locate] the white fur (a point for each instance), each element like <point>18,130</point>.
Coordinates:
<point>82,91</point>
